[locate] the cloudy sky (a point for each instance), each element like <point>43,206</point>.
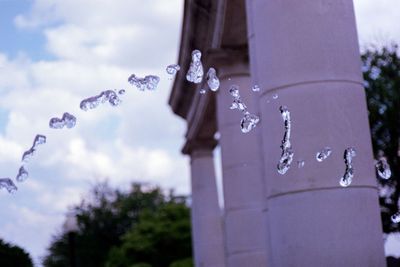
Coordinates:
<point>55,53</point>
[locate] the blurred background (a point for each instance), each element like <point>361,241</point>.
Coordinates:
<point>121,166</point>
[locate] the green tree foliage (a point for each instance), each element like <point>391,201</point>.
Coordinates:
<point>104,219</point>
<point>13,256</point>
<point>159,239</point>
<point>381,69</point>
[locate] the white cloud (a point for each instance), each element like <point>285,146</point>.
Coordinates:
<point>96,45</point>
<point>377,21</point>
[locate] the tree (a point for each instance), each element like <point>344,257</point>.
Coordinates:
<point>104,219</point>
<point>381,70</point>
<point>160,239</point>
<point>13,256</point>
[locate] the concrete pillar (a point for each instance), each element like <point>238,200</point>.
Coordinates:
<point>206,218</point>
<point>307,53</point>
<point>244,198</point>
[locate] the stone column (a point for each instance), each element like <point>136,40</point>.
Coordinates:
<point>307,53</point>
<point>244,200</point>
<point>206,218</point>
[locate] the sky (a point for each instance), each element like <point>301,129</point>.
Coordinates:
<point>53,54</point>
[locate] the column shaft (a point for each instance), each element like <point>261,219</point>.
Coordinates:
<point>307,53</point>
<point>242,160</point>
<point>206,214</point>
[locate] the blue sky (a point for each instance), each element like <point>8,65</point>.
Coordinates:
<point>55,53</point>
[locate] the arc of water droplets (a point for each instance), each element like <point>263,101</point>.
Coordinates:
<point>383,168</point>
<point>196,71</point>
<point>287,152</point>
<point>105,96</point>
<point>173,69</point>
<point>8,184</point>
<point>249,121</point>
<point>149,82</point>
<point>67,120</point>
<point>347,178</point>
<point>323,154</point>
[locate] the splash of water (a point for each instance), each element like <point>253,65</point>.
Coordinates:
<point>8,184</point>
<point>238,104</point>
<point>347,178</point>
<point>67,120</point>
<point>234,91</point>
<point>249,121</point>
<point>39,140</point>
<point>275,96</point>
<point>22,174</point>
<point>94,101</point>
<point>212,80</point>
<point>323,154</point>
<point>195,72</point>
<point>255,88</point>
<point>149,82</point>
<point>173,69</point>
<point>383,168</point>
<point>202,91</point>
<point>287,152</point>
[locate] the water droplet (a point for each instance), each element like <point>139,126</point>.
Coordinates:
<point>285,161</point>
<point>300,163</point>
<point>8,184</point>
<point>287,152</point>
<point>323,154</point>
<point>173,69</point>
<point>212,80</point>
<point>39,140</point>
<point>238,104</point>
<point>106,96</point>
<point>275,96</point>
<point>67,120</point>
<point>22,174</point>
<point>217,135</point>
<point>202,91</point>
<point>234,91</point>
<point>347,178</point>
<point>149,82</point>
<point>383,168</point>
<point>121,92</point>
<point>28,155</point>
<point>56,123</point>
<point>248,122</point>
<point>195,72</point>
<point>395,217</point>
<point>256,88</point>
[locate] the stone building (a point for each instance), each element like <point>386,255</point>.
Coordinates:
<point>306,52</point>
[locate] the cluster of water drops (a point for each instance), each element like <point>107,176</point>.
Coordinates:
<point>384,172</point>
<point>287,152</point>
<point>22,174</point>
<point>249,121</point>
